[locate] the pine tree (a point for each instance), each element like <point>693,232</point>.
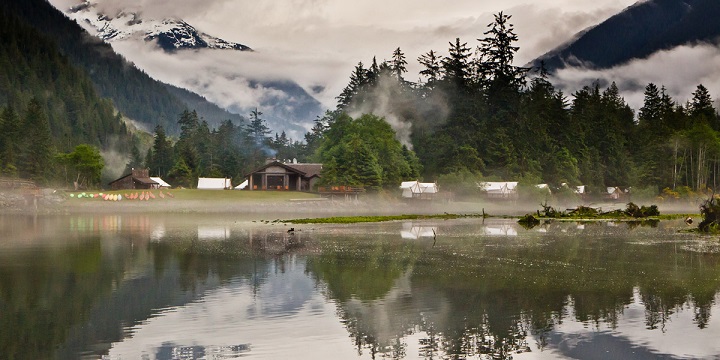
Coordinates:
<point>701,108</point>
<point>398,65</point>
<point>365,165</point>
<point>9,141</point>
<point>358,79</point>
<point>36,158</point>
<point>432,70</point>
<point>258,129</point>
<point>162,157</point>
<point>456,65</point>
<point>498,52</point>
<point>181,174</point>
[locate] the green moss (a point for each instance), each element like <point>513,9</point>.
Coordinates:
<point>364,219</point>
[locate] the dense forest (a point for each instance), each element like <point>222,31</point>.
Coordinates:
<point>477,116</point>
<point>134,93</point>
<point>473,116</point>
<point>228,151</point>
<point>48,106</point>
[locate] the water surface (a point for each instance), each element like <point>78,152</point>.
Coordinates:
<point>220,287</point>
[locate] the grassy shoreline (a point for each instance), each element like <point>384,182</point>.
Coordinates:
<point>380,218</point>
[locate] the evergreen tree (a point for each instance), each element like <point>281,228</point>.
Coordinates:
<point>432,68</point>
<point>257,129</point>
<point>161,155</point>
<point>181,174</point>
<point>398,65</point>
<point>9,141</point>
<point>701,108</point>
<point>358,80</point>
<point>36,156</point>
<point>497,54</point>
<point>365,164</point>
<point>456,66</point>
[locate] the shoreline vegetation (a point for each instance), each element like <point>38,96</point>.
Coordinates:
<point>312,208</point>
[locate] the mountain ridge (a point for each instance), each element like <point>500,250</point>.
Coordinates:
<point>637,32</point>
<point>133,92</point>
<point>170,34</point>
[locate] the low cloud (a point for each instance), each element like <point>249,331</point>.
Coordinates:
<point>317,43</point>
<point>680,70</point>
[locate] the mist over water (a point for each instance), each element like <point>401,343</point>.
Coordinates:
<point>219,285</point>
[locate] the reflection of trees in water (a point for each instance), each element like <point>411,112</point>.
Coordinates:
<point>44,293</point>
<point>79,292</point>
<point>492,300</point>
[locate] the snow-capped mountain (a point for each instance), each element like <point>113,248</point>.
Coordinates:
<point>226,78</point>
<point>170,34</point>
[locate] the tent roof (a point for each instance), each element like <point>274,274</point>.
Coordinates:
<point>498,185</point>
<point>408,184</point>
<point>242,185</point>
<point>428,188</point>
<point>160,181</point>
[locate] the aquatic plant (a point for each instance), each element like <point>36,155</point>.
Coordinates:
<point>710,211</point>
<point>528,221</point>
<point>585,212</point>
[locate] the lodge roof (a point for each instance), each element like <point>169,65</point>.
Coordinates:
<point>144,180</point>
<point>306,170</point>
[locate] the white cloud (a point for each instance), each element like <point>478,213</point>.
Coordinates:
<point>316,43</point>
<point>680,70</point>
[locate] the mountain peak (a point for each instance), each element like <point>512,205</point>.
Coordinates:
<point>170,34</point>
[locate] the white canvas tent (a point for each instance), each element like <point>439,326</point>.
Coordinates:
<point>499,189</point>
<point>613,192</point>
<point>416,189</point>
<point>242,185</point>
<point>161,183</point>
<point>214,183</point>
<point>579,189</point>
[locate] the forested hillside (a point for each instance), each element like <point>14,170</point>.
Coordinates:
<point>477,116</point>
<point>133,92</point>
<point>47,105</point>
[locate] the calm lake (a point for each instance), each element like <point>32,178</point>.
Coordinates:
<point>221,287</point>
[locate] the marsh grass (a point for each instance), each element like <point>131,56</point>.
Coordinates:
<point>366,219</point>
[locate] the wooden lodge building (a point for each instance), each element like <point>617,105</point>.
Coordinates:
<point>276,175</point>
<point>137,179</point>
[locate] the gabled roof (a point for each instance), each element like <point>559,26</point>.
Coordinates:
<point>310,170</point>
<point>306,170</point>
<point>144,180</point>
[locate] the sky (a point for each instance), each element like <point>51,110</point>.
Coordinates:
<point>318,42</point>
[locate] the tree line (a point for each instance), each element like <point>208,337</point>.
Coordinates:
<point>230,150</point>
<point>475,115</point>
